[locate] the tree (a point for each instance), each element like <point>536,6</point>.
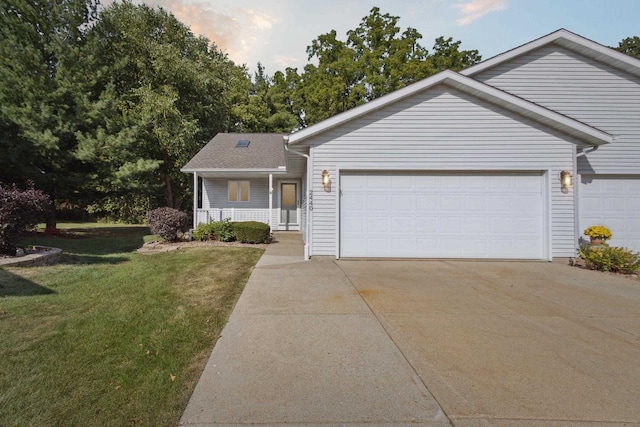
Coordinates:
<point>376,59</point>
<point>39,95</point>
<point>265,104</point>
<point>630,46</point>
<point>158,95</point>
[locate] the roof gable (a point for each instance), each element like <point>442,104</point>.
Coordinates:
<point>475,88</point>
<point>568,40</point>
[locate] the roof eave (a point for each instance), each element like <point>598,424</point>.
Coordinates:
<point>282,169</point>
<point>511,102</point>
<point>564,38</point>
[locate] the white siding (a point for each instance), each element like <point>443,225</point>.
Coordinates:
<point>582,88</point>
<point>440,129</point>
<point>215,193</point>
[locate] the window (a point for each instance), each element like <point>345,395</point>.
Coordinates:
<point>238,191</point>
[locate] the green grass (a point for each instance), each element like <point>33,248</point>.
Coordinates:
<point>108,336</point>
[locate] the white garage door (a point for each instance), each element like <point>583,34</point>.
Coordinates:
<point>442,215</point>
<point>615,203</point>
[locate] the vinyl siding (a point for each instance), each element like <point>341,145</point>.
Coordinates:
<point>215,194</point>
<point>584,89</point>
<point>440,129</point>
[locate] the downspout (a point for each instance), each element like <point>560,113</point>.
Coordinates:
<point>307,243</point>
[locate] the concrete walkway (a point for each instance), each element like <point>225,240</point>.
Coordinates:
<point>303,348</point>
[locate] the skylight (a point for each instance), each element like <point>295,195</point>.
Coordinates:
<point>243,143</point>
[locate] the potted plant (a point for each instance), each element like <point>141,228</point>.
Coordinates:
<point>598,234</point>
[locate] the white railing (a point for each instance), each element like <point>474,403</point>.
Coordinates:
<point>208,215</point>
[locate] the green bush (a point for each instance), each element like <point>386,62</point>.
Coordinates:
<point>251,231</point>
<point>609,258</point>
<point>216,230</point>
<point>205,232</point>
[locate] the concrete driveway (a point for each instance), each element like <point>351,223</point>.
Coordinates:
<point>429,343</point>
<point>512,343</point>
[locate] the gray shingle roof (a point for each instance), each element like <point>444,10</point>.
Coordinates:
<point>265,151</point>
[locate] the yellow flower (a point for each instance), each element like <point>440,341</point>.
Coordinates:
<point>598,232</point>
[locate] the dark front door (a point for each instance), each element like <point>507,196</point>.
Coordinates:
<point>288,203</point>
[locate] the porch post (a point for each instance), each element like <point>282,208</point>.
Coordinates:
<point>195,199</point>
<point>270,201</point>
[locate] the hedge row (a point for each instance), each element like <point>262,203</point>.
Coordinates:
<point>227,231</point>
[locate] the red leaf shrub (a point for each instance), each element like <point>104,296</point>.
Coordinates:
<point>167,223</point>
<point>20,211</point>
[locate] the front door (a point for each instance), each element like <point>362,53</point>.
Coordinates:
<point>288,203</point>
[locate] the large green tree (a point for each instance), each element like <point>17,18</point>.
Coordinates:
<point>158,93</point>
<point>264,104</point>
<point>40,94</point>
<point>376,59</point>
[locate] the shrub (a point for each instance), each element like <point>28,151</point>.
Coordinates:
<point>167,223</point>
<point>216,230</point>
<point>610,258</point>
<point>598,232</point>
<point>251,231</point>
<point>20,211</point>
<point>224,231</point>
<point>205,232</point>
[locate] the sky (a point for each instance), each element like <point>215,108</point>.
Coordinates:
<point>277,32</point>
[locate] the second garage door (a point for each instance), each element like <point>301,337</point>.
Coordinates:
<point>442,215</point>
<point>612,201</point>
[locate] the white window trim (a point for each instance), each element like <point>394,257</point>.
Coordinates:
<point>239,191</point>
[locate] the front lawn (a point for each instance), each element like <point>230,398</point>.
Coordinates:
<point>108,336</point>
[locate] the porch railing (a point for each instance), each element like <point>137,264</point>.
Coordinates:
<point>208,215</point>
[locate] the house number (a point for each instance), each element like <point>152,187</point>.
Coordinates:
<point>310,200</point>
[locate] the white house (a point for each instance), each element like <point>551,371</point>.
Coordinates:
<point>511,158</point>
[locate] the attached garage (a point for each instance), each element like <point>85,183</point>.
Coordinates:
<point>612,201</point>
<point>442,215</point>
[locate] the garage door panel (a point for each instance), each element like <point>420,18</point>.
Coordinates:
<point>426,202</point>
<point>451,202</point>
<point>403,202</point>
<point>443,215</point>
<point>612,201</point>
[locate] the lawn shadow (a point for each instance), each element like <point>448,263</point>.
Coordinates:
<point>12,285</point>
<point>73,259</point>
<point>89,244</point>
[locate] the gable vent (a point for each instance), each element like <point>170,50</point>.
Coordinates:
<point>243,143</point>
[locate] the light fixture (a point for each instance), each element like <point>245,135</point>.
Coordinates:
<point>566,181</point>
<point>326,181</point>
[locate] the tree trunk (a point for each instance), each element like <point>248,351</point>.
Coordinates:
<point>51,225</point>
<point>168,190</point>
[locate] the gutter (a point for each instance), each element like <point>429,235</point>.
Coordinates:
<point>307,243</point>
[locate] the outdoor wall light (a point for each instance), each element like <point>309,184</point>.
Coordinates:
<point>566,181</point>
<point>326,181</point>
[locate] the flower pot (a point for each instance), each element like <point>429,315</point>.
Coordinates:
<point>596,241</point>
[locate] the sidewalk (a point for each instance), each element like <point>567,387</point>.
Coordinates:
<point>303,348</point>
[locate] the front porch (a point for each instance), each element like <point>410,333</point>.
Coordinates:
<point>274,201</point>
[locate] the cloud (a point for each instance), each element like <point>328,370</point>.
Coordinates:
<point>262,21</point>
<point>234,30</point>
<point>475,9</point>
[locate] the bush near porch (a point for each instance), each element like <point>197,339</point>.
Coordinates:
<point>227,231</point>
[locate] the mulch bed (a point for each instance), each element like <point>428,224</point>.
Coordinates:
<point>160,247</point>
